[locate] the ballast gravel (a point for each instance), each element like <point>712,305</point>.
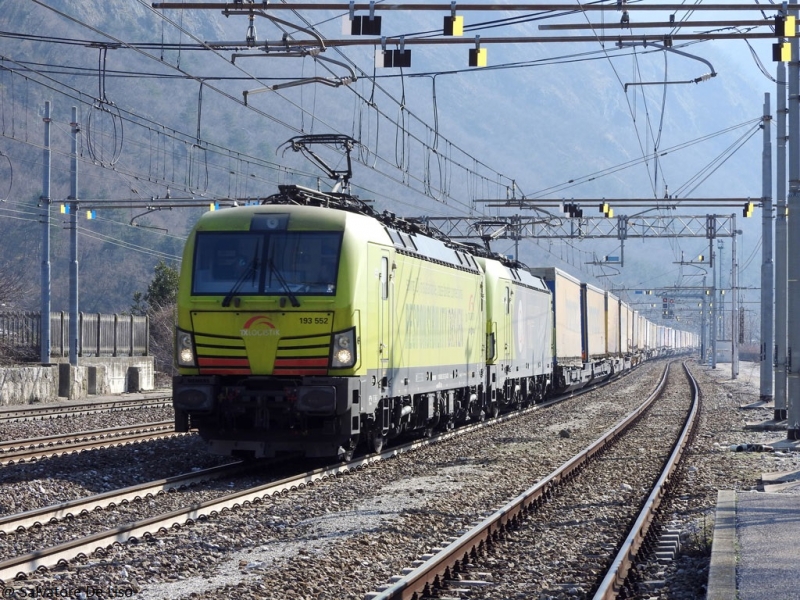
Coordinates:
<point>45,482</point>
<point>343,537</point>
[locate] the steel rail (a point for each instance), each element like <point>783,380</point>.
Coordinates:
<point>71,508</point>
<point>29,413</point>
<point>49,557</point>
<point>613,582</point>
<point>37,453</point>
<point>77,437</point>
<point>430,575</point>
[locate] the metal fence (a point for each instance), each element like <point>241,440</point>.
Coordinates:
<point>98,335</point>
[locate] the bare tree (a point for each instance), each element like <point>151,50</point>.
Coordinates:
<point>162,333</point>
<point>13,287</point>
<point>160,304</point>
<point>14,291</point>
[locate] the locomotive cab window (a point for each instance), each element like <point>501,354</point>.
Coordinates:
<point>222,260</point>
<point>266,263</point>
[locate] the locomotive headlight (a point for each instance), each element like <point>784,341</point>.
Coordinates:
<point>343,357</point>
<point>343,349</point>
<point>184,348</point>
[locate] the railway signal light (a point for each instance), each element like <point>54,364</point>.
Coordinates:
<point>785,26</point>
<point>748,209</point>
<point>781,52</point>
<point>477,55</point>
<point>358,25</point>
<point>392,59</point>
<point>573,210</point>
<point>453,26</point>
<point>606,210</point>
<point>388,59</point>
<point>365,26</point>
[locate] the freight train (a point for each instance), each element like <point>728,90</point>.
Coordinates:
<point>311,324</point>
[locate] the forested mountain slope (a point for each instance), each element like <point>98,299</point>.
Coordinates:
<point>161,119</point>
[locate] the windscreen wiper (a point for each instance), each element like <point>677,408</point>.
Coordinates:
<point>252,269</point>
<point>273,269</point>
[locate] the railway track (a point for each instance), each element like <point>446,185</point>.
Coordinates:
<point>18,566</point>
<point>271,496</point>
<point>461,568</point>
<point>616,579</point>
<point>16,451</point>
<point>49,557</point>
<point>74,508</point>
<point>52,440</point>
<point>61,410</point>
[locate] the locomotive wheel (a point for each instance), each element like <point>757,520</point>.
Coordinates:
<point>346,454</point>
<point>378,441</point>
<point>446,425</point>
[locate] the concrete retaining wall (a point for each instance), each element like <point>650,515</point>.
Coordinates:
<point>93,376</point>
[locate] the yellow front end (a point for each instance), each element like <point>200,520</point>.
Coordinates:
<point>308,330</point>
<point>267,338</point>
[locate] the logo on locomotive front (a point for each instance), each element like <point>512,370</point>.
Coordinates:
<point>260,326</point>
